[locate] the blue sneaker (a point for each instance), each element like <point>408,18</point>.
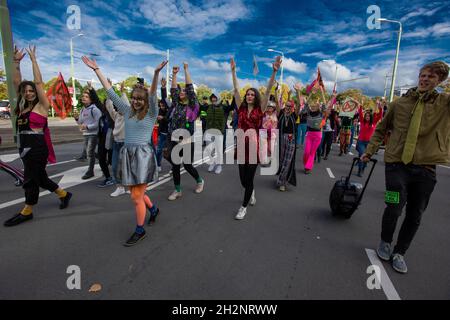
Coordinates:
<point>106,183</point>
<point>384,251</point>
<point>399,264</point>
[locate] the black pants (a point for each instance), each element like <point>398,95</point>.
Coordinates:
<point>408,185</point>
<point>327,142</point>
<point>103,156</point>
<point>35,175</point>
<point>176,168</point>
<point>247,175</point>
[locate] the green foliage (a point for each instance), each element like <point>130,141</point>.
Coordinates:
<point>3,91</point>
<point>226,96</point>
<point>203,91</point>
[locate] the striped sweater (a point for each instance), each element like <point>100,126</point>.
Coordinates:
<point>136,131</point>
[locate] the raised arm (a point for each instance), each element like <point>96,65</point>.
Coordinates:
<point>275,67</point>
<point>379,114</point>
<point>174,92</point>
<point>154,85</point>
<point>17,75</point>
<point>43,100</point>
<point>236,94</point>
<point>121,105</point>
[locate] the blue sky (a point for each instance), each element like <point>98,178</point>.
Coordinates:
<point>131,38</point>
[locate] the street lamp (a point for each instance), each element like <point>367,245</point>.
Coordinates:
<point>394,71</point>
<point>74,100</point>
<point>281,75</point>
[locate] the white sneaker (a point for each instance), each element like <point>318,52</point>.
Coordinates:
<point>241,213</point>
<point>119,191</point>
<point>211,167</point>
<point>253,199</point>
<point>200,186</point>
<point>218,169</point>
<point>159,169</point>
<point>175,195</point>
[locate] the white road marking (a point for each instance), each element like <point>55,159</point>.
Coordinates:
<point>70,178</point>
<point>386,283</point>
<point>62,162</point>
<point>330,173</point>
<point>442,166</point>
<point>9,157</point>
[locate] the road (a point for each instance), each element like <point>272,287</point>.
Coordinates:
<point>288,246</point>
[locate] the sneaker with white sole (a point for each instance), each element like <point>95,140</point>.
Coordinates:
<point>218,169</point>
<point>253,199</point>
<point>174,195</point>
<point>211,167</point>
<point>159,169</point>
<point>200,186</point>
<point>241,213</point>
<point>384,251</point>
<point>282,188</point>
<point>399,264</point>
<point>119,191</point>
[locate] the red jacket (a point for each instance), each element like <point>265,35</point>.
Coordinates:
<point>366,129</point>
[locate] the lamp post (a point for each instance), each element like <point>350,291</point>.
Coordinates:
<point>281,75</point>
<point>394,71</point>
<point>74,100</point>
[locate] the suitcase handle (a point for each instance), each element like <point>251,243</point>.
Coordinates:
<point>356,160</point>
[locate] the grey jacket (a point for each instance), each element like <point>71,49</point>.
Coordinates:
<point>90,116</point>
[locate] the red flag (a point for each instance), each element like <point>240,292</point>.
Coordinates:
<point>316,84</point>
<point>60,98</point>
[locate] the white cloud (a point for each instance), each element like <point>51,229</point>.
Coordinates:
<point>436,31</point>
<point>210,65</point>
<point>354,49</point>
<point>194,21</point>
<point>318,55</point>
<point>130,47</point>
<point>421,12</point>
<point>291,65</point>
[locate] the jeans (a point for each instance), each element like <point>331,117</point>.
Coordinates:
<point>115,159</point>
<point>103,156</point>
<point>301,133</point>
<point>352,134</point>
<point>161,143</point>
<point>409,185</point>
<point>91,143</point>
<point>361,148</point>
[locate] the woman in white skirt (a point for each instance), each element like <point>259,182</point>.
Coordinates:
<point>137,160</point>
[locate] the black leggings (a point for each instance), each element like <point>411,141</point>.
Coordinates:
<point>247,175</point>
<point>103,156</point>
<point>35,175</point>
<point>176,168</point>
<point>327,142</point>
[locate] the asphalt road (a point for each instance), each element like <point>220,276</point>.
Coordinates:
<point>288,246</point>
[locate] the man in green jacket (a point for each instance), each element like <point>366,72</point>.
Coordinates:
<point>215,119</point>
<point>419,123</point>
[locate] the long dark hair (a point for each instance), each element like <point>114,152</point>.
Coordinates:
<point>21,102</point>
<point>257,101</point>
<point>371,117</point>
<point>94,98</point>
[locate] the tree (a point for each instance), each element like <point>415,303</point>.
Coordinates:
<point>445,86</point>
<point>203,91</point>
<point>226,96</point>
<point>3,86</point>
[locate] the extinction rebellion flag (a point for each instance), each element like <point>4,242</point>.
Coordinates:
<point>59,97</point>
<point>316,84</point>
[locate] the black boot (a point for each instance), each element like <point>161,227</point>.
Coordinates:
<point>65,201</point>
<point>17,219</point>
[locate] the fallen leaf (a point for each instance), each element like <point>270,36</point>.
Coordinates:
<point>95,288</point>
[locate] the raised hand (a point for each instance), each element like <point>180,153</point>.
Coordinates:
<point>18,54</point>
<point>298,87</point>
<point>175,69</point>
<point>232,64</point>
<point>89,84</point>
<point>122,86</point>
<point>161,66</point>
<point>90,63</point>
<point>163,82</point>
<point>32,52</point>
<point>185,65</point>
<point>277,64</point>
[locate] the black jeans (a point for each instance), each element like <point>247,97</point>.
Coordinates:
<point>35,176</point>
<point>176,168</point>
<point>103,156</point>
<point>247,175</point>
<point>327,142</point>
<point>408,185</point>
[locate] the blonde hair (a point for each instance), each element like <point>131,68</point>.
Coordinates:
<point>141,114</point>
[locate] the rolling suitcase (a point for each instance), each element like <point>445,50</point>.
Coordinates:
<point>346,195</point>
